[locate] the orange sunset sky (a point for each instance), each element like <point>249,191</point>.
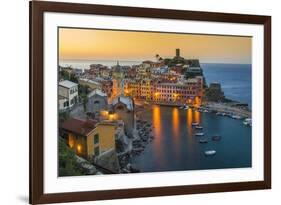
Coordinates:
<point>92,44</point>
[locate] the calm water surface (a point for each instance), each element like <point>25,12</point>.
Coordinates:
<point>176,148</point>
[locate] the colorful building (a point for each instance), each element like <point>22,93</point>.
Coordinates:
<point>189,91</point>
<point>88,138</point>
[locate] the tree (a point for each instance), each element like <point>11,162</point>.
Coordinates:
<point>84,100</point>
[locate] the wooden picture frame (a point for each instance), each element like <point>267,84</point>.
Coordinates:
<point>37,9</point>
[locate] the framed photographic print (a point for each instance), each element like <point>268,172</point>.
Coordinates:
<point>135,102</point>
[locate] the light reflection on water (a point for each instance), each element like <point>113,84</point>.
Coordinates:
<point>157,125</point>
<point>175,146</point>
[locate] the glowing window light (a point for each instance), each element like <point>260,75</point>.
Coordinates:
<point>79,148</point>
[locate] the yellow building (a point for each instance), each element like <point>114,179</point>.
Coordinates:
<point>88,138</point>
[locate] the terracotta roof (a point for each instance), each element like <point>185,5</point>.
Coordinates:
<point>78,126</point>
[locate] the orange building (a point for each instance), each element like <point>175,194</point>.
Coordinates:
<point>88,138</point>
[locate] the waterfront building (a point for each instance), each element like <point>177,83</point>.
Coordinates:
<point>189,91</point>
<point>89,138</point>
<point>192,72</point>
<point>68,94</point>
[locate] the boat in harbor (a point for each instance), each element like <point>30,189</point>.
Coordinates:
<point>195,124</point>
<point>216,138</point>
<point>221,113</point>
<point>248,122</point>
<point>198,127</point>
<point>203,141</point>
<point>206,111</point>
<point>199,134</point>
<point>236,117</point>
<point>184,107</point>
<point>210,152</point>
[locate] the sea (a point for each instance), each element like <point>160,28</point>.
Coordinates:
<point>175,146</point>
<point>235,80</point>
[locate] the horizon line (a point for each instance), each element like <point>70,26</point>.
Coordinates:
<point>141,60</point>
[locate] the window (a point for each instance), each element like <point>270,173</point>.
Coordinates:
<point>97,151</point>
<point>96,139</point>
<point>65,104</point>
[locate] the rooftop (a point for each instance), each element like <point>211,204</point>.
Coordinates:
<point>78,126</point>
<point>97,92</point>
<point>89,81</point>
<point>67,84</point>
<point>125,100</point>
<point>192,80</point>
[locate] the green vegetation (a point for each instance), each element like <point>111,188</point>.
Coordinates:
<point>67,161</point>
<point>66,74</point>
<point>63,116</point>
<point>84,98</point>
<point>83,89</point>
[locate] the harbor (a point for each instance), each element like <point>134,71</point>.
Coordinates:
<point>197,140</point>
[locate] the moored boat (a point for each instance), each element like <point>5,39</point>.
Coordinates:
<point>198,127</point>
<point>248,122</point>
<point>203,141</point>
<point>210,152</point>
<point>236,117</point>
<point>199,134</point>
<point>195,124</point>
<point>216,138</point>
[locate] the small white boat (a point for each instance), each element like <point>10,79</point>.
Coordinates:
<point>199,134</point>
<point>247,122</point>
<point>203,141</point>
<point>210,152</point>
<point>195,124</point>
<point>186,107</point>
<point>198,127</point>
<point>236,117</point>
<point>205,111</point>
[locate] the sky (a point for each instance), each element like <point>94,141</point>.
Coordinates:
<point>93,44</point>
